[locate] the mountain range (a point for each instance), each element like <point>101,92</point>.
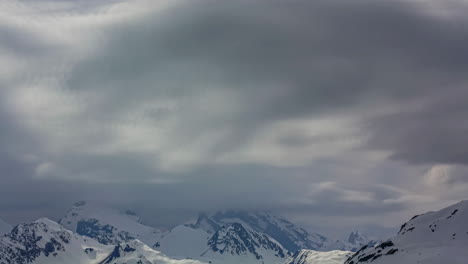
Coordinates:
<point>90,234</point>
<point>254,237</point>
<point>47,242</point>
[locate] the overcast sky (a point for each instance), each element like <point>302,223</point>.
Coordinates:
<point>336,114</point>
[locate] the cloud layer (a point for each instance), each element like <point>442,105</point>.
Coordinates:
<point>311,108</point>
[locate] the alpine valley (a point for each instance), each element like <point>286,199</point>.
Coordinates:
<point>92,234</point>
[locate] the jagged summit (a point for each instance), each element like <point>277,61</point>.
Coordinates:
<point>356,237</point>
<point>353,242</point>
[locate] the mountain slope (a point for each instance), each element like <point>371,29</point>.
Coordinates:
<point>4,227</point>
<point>46,242</point>
<point>430,238</point>
<point>317,257</point>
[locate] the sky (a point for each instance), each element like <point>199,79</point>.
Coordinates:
<point>339,115</point>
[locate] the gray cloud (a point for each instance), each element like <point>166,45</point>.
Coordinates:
<point>232,104</point>
<point>434,132</point>
<point>289,61</point>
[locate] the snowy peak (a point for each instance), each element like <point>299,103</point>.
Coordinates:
<point>433,237</point>
<point>357,238</point>
<point>290,236</point>
<point>29,242</point>
<point>224,237</point>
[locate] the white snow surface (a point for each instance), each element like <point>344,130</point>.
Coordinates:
<point>430,238</point>
<point>306,256</point>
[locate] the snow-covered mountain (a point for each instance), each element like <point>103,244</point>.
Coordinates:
<point>236,240</point>
<point>4,227</point>
<point>221,237</point>
<point>353,242</point>
<point>47,242</point>
<point>292,237</point>
<point>229,235</point>
<point>430,238</point>
<point>207,240</point>
<point>232,234</point>
<point>306,256</point>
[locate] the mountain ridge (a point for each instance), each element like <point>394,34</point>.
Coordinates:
<point>222,235</point>
<point>433,237</point>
